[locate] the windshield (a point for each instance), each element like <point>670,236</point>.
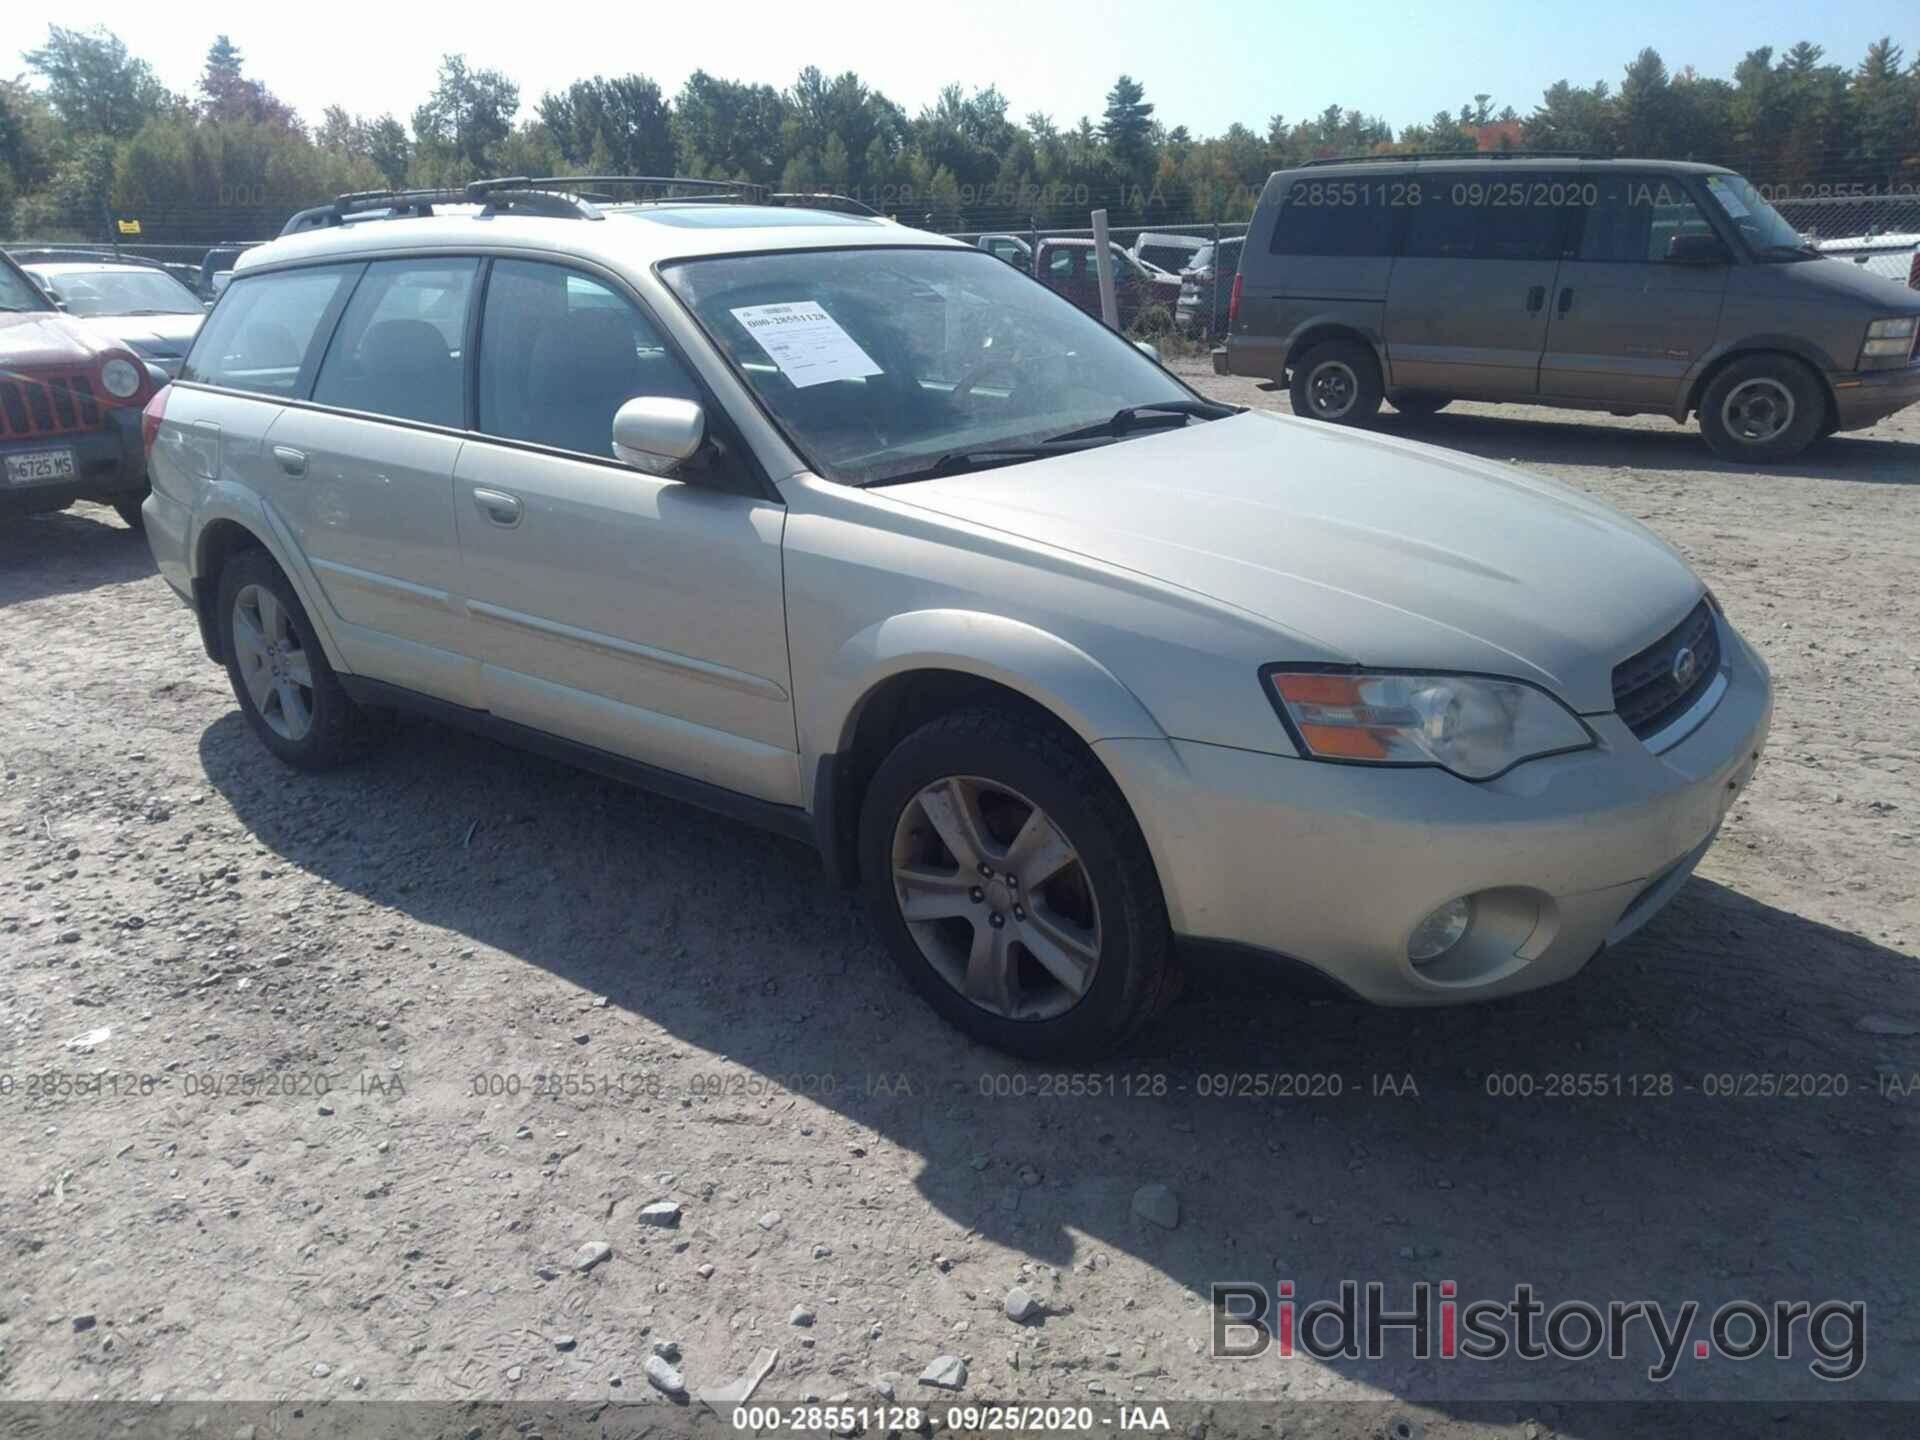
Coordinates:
<point>876,361</point>
<point>123,292</point>
<point>1759,224</point>
<point>17,292</point>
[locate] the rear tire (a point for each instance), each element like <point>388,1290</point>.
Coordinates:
<point>128,509</point>
<point>1048,845</point>
<point>1337,381</point>
<point>1762,409</point>
<point>1419,406</point>
<point>286,689</point>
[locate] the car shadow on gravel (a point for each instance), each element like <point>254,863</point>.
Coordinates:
<point>68,551</point>
<point>1568,441</point>
<point>1695,1117</point>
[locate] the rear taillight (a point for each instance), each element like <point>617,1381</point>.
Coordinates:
<point>151,417</point>
<point>1233,301</point>
<point>1913,271</point>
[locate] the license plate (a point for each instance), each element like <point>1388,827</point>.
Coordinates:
<point>38,467</point>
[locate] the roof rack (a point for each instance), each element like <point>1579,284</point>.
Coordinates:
<point>1474,155</point>
<point>557,195</point>
<point>56,254</point>
<point>822,200</point>
<point>727,189</point>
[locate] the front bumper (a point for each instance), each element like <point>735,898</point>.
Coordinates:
<point>110,462</point>
<point>1870,396</point>
<point>1335,865</point>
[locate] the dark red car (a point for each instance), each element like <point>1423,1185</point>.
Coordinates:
<point>70,403</point>
<point>1067,265</point>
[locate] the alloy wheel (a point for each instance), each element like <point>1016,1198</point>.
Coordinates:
<point>273,665</point>
<point>996,897</point>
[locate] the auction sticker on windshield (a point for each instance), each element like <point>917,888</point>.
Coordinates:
<point>806,343</point>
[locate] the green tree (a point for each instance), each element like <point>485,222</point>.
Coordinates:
<point>1126,123</point>
<point>628,117</point>
<point>464,121</point>
<point>94,85</point>
<point>226,93</point>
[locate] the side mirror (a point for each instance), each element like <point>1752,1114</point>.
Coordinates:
<point>1698,249</point>
<point>206,304</point>
<point>1148,348</point>
<point>656,433</point>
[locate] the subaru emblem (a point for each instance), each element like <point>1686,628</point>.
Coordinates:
<point>1685,663</point>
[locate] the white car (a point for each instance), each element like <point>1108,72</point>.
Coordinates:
<point>1896,256</point>
<point>857,533</point>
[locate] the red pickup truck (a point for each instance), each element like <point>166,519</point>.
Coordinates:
<point>1068,265</point>
<point>70,403</point>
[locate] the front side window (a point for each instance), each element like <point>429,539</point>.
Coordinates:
<point>259,334</point>
<point>561,352</point>
<point>877,362</point>
<point>397,351</point>
<point>123,292</point>
<point>1635,218</point>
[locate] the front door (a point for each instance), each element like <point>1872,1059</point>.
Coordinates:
<point>631,612</point>
<point>1627,323</point>
<point>1467,304</point>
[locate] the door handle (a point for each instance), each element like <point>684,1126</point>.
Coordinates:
<point>1566,298</point>
<point>293,461</point>
<point>499,507</point>
<point>1536,297</point>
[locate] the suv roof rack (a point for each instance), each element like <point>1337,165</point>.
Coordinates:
<point>55,254</point>
<point>1474,155</point>
<point>556,195</point>
<point>822,200</point>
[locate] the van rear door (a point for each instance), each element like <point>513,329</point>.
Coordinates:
<point>1628,322</point>
<point>1467,309</point>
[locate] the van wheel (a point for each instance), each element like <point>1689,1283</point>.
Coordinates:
<point>1418,405</point>
<point>280,675</point>
<point>1013,888</point>
<point>1762,409</point>
<point>1337,381</point>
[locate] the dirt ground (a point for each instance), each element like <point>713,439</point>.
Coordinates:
<point>313,1088</point>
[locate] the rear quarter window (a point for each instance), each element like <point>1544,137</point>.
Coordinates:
<point>1340,217</point>
<point>262,332</point>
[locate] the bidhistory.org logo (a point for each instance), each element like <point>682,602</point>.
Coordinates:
<point>1436,1323</point>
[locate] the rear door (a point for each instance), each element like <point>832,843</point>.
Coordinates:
<point>637,614</point>
<point>366,469</point>
<point>1467,307</point>
<point>1627,323</point>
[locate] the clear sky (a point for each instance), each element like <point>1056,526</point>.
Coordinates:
<point>1205,63</point>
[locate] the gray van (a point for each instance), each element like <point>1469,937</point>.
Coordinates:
<point>1629,286</point>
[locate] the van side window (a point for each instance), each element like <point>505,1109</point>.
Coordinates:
<point>1340,217</point>
<point>1491,215</point>
<point>397,351</point>
<point>259,334</point>
<point>560,352</point>
<point>1636,217</point>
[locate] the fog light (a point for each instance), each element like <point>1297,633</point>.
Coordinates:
<point>1440,931</point>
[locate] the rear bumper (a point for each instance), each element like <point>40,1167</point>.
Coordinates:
<point>110,462</point>
<point>1335,866</point>
<point>1868,398</point>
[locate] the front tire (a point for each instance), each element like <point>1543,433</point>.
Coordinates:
<point>286,689</point>
<point>1012,886</point>
<point>1337,381</point>
<point>1762,409</point>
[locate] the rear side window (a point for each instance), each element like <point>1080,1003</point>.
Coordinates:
<point>259,335</point>
<point>1476,215</point>
<point>1340,217</point>
<point>1634,218</point>
<point>560,352</point>
<point>398,349</point>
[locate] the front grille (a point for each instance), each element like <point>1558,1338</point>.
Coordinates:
<point>1645,692</point>
<point>32,406</point>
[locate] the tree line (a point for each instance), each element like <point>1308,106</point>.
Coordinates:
<point>90,136</point>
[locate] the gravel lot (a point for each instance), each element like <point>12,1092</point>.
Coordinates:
<point>299,1144</point>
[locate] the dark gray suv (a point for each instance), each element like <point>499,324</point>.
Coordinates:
<point>1630,286</point>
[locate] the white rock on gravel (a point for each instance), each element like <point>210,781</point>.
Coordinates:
<point>1021,1306</point>
<point>947,1372</point>
<point>664,1378</point>
<point>663,1213</point>
<point>1157,1205</point>
<point>769,1220</point>
<point>591,1254</point>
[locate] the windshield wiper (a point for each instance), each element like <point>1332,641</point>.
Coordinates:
<point>1155,412</point>
<point>981,457</point>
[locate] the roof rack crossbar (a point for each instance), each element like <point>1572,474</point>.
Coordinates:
<point>497,200</point>
<point>1473,155</point>
<point>572,183</point>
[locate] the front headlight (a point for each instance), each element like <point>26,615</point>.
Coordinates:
<point>1473,725</point>
<point>1889,342</point>
<point>120,378</point>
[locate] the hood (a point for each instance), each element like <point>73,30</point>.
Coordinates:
<point>1370,550</point>
<point>156,337</point>
<point>50,339</point>
<point>1832,276</point>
